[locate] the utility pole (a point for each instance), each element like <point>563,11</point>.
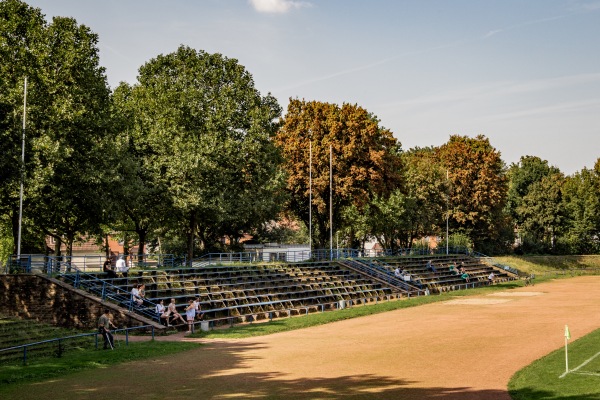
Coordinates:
<point>22,171</point>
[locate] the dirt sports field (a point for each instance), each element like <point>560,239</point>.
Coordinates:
<point>466,348</point>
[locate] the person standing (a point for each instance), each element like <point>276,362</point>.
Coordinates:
<point>198,308</point>
<point>190,314</point>
<point>104,324</point>
<point>122,266</point>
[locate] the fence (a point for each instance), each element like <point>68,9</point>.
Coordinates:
<point>87,263</point>
<point>108,291</point>
<point>286,255</point>
<point>57,347</point>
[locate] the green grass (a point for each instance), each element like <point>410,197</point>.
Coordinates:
<point>546,264</point>
<point>84,359</point>
<point>540,380</point>
<point>320,318</point>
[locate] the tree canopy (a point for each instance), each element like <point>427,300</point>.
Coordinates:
<point>364,160</point>
<point>203,132</point>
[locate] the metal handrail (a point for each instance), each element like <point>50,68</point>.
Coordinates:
<point>108,291</point>
<point>59,340</point>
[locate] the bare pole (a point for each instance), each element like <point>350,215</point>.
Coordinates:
<point>310,199</point>
<point>22,170</point>
<point>330,204</point>
<point>447,216</point>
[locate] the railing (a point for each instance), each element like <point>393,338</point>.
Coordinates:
<point>491,261</point>
<point>287,255</point>
<point>108,291</point>
<point>28,263</point>
<point>383,275</point>
<point>26,349</point>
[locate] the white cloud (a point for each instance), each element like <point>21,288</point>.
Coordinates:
<point>277,6</point>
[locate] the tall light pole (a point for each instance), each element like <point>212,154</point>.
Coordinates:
<point>310,199</point>
<point>330,204</point>
<point>447,214</point>
<point>22,171</point>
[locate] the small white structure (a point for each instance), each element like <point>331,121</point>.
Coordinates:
<point>280,252</point>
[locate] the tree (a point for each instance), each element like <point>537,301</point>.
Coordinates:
<point>204,133</point>
<point>521,176</point>
<point>543,212</point>
<point>67,124</point>
<point>582,205</point>
<point>365,161</point>
<point>416,210</point>
<point>21,44</point>
<point>68,157</point>
<point>478,188</point>
<point>140,203</point>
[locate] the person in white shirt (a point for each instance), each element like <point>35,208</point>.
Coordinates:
<point>121,266</point>
<point>135,295</point>
<point>162,312</point>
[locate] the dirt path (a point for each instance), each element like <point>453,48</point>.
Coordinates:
<point>460,349</point>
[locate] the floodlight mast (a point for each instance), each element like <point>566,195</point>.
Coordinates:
<point>310,199</point>
<point>22,170</point>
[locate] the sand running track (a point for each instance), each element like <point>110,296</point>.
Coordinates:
<point>466,348</point>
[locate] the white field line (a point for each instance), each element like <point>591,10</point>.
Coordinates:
<point>582,365</point>
<point>587,373</point>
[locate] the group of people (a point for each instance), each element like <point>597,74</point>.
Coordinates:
<point>170,315</point>
<point>120,267</point>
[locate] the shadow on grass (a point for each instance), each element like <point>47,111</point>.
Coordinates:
<point>536,394</point>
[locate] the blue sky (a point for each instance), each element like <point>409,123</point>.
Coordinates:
<point>526,74</point>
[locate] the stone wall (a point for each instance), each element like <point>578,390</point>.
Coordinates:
<point>51,301</point>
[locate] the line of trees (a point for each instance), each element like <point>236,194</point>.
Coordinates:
<point>191,158</point>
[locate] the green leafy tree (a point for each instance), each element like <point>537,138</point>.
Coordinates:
<point>365,161</point>
<point>69,166</point>
<point>521,176</point>
<point>416,210</point>
<point>67,108</point>
<point>21,44</point>
<point>582,203</point>
<point>478,190</point>
<point>204,133</point>
<point>543,213</point>
<point>140,202</point>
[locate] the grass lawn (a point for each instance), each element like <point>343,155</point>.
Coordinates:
<point>540,380</point>
<point>47,368</point>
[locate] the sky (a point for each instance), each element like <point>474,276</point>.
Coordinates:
<point>526,74</point>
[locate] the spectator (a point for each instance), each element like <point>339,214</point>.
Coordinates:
<point>122,266</point>
<point>397,273</point>
<point>162,313</point>
<point>190,314</point>
<point>405,275</point>
<point>430,266</point>
<point>172,308</point>
<point>104,324</point>
<point>135,295</point>
<point>108,269</point>
<point>198,308</point>
<point>465,276</point>
<point>491,278</point>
